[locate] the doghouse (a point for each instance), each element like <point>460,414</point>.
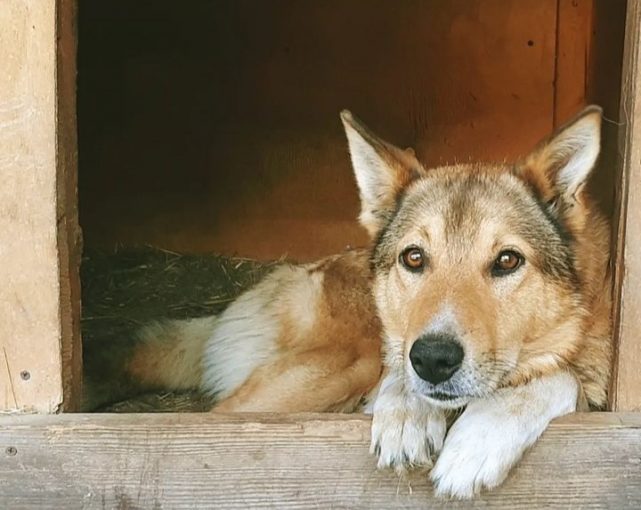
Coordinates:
<point>212,127</point>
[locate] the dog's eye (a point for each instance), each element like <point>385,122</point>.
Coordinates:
<point>413,258</point>
<point>507,262</point>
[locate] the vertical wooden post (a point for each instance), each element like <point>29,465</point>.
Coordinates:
<point>39,290</point>
<point>625,394</point>
<point>69,234</point>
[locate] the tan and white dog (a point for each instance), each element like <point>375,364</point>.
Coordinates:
<point>486,288</point>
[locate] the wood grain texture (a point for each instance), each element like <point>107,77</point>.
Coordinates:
<point>625,391</point>
<point>295,461</point>
<point>30,305</point>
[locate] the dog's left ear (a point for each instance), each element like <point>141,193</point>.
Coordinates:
<point>559,168</point>
<point>382,171</point>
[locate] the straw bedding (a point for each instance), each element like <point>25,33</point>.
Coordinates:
<point>125,289</point>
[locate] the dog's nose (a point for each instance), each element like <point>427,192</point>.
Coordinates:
<point>436,357</point>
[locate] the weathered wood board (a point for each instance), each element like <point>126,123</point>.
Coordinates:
<point>625,394</point>
<point>295,461</point>
<point>39,341</point>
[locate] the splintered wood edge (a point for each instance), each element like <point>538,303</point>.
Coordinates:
<point>208,460</point>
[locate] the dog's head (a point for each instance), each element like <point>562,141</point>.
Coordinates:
<point>476,279</point>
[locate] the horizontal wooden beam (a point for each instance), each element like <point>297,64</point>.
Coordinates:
<point>303,461</point>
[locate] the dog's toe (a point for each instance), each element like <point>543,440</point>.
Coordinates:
<point>403,440</point>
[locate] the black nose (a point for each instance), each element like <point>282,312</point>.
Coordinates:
<point>436,357</point>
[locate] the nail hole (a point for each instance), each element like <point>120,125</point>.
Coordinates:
<point>530,42</point>
<point>25,375</point>
<point>11,451</point>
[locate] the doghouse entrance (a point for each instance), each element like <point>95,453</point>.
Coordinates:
<point>215,129</point>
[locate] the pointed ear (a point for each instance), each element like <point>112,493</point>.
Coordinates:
<point>559,168</point>
<point>382,171</point>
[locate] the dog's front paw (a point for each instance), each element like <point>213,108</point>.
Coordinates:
<point>478,454</point>
<point>408,436</point>
<point>489,438</point>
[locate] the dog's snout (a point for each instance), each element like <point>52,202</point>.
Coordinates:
<point>436,357</point>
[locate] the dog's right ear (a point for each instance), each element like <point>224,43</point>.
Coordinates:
<point>382,172</point>
<point>559,167</point>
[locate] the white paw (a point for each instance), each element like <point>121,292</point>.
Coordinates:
<point>406,437</point>
<point>491,435</point>
<point>478,454</point>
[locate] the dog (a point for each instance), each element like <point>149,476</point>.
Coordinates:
<point>486,289</point>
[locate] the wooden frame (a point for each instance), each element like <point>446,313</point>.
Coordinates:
<point>40,351</point>
<point>625,393</point>
<point>155,460</point>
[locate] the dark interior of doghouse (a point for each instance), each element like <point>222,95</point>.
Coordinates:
<point>212,127</point>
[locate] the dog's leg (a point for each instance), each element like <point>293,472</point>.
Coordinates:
<point>406,430</point>
<point>489,438</point>
<point>309,382</point>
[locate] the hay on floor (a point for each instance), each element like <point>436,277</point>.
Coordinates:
<point>125,289</point>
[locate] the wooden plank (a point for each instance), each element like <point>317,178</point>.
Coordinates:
<point>296,461</point>
<point>69,235</point>
<point>31,339</point>
<point>625,391</point>
<point>573,27</point>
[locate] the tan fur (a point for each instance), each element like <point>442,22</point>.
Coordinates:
<point>590,355</point>
<point>337,360</point>
<point>170,357</point>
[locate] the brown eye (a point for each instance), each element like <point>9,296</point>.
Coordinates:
<point>413,258</point>
<point>507,262</point>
